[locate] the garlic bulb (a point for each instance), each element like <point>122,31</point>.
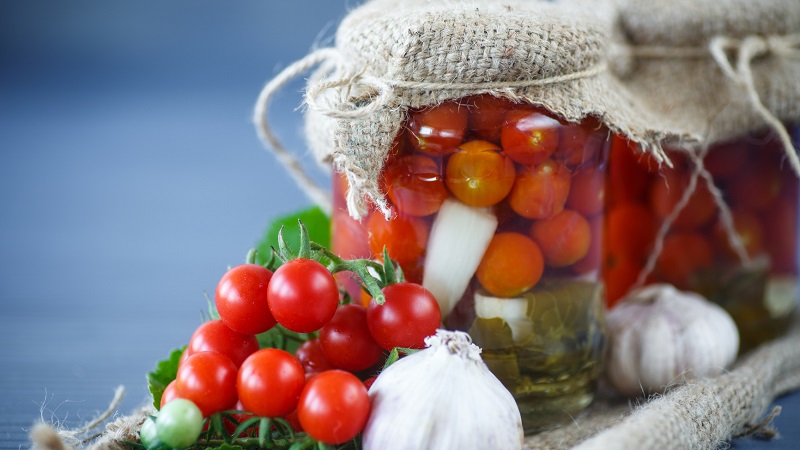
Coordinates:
<point>442,397</point>
<point>660,336</point>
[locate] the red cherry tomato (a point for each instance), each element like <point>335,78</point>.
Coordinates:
<point>415,185</point>
<point>683,255</point>
<point>666,192</point>
<point>312,358</point>
<point>208,379</point>
<point>630,232</point>
<point>486,115</point>
<point>334,407</point>
<point>593,259</point>
<point>725,161</point>
<point>619,274</point>
<point>747,227</point>
<point>409,315</point>
<point>528,136</point>
<point>347,342</point>
<point>270,382</point>
<point>627,180</point>
<point>540,192</point>
<point>404,237</point>
<point>581,143</point>
<point>170,393</point>
<point>438,130</point>
<point>215,336</point>
<point>587,191</point>
<point>512,264</point>
<point>241,299</point>
<point>759,187</point>
<point>563,238</point>
<point>303,295</point>
<point>479,175</point>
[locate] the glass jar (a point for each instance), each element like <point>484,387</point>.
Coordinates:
<point>498,211</point>
<point>757,284</point>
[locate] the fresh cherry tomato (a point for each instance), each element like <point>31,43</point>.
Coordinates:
<point>512,264</point>
<point>347,342</point>
<point>415,185</point>
<point>540,192</point>
<point>486,115</point>
<point>528,136</point>
<point>478,174</point>
<point>587,191</point>
<point>208,379</point>
<point>563,238</point>
<point>684,254</point>
<point>270,382</point>
<point>438,130</point>
<point>215,336</point>
<point>312,358</point>
<point>409,314</point>
<point>303,295</point>
<point>334,407</point>
<point>169,394</point>
<point>241,299</point>
<point>404,237</point>
<point>581,143</point>
<point>666,192</point>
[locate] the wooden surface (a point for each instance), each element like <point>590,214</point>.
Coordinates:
<point>130,178</point>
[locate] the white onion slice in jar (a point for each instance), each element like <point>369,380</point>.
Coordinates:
<point>459,237</point>
<point>514,311</point>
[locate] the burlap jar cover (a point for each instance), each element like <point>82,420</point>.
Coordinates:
<point>569,58</point>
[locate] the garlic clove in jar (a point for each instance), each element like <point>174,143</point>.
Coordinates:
<point>660,336</point>
<point>442,397</point>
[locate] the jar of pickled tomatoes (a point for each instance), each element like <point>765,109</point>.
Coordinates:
<point>498,211</point>
<point>734,241</point>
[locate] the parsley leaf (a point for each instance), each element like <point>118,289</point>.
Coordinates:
<point>316,222</point>
<point>165,371</point>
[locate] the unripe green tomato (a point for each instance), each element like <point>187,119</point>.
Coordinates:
<point>179,423</point>
<point>149,436</point>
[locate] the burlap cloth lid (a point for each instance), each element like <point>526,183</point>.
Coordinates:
<point>391,56</point>
<point>689,62</point>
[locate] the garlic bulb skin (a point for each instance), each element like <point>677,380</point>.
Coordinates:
<point>442,397</point>
<point>660,336</point>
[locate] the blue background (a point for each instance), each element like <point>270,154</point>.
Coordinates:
<point>131,177</point>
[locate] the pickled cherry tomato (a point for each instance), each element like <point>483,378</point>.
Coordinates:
<point>349,237</point>
<point>758,187</point>
<point>627,181</point>
<point>563,239</point>
<point>587,192</point>
<point>486,115</point>
<point>747,226</point>
<point>631,230</point>
<point>727,160</point>
<point>666,192</point>
<point>683,255</point>
<point>580,143</point>
<point>619,274</point>
<point>415,186</point>
<point>512,264</point>
<point>478,174</point>
<point>438,130</point>
<point>592,260</point>
<point>404,237</point>
<point>780,225</point>
<point>541,191</point>
<point>528,136</point>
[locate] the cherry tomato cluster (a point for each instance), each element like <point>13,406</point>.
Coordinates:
<point>761,195</point>
<point>543,178</point>
<point>319,389</point>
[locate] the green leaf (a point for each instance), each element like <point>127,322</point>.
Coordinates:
<point>316,222</point>
<point>226,446</point>
<point>164,373</point>
<point>281,338</point>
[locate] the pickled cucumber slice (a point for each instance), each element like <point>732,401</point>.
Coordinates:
<point>493,336</point>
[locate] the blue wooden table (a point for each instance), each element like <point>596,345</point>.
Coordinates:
<point>130,178</point>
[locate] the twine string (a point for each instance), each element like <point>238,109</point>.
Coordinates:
<point>289,161</point>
